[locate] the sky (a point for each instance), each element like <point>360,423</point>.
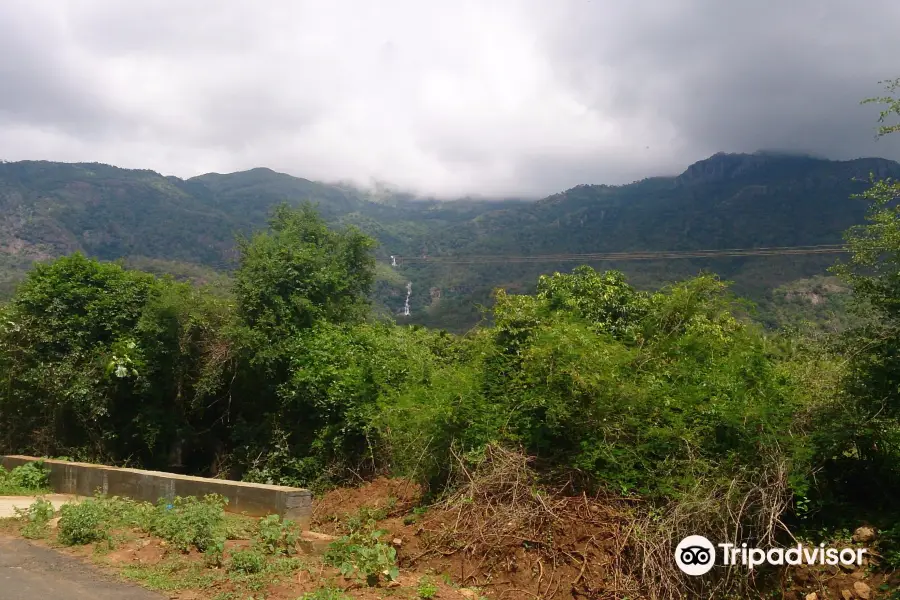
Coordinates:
<point>446,98</point>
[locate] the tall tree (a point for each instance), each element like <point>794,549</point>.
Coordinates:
<point>300,271</point>
<point>869,435</point>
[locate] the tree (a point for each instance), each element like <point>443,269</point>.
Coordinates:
<point>891,108</point>
<point>300,271</point>
<point>864,448</point>
<point>299,287</point>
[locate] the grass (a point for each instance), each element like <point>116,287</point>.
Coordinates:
<point>25,480</point>
<point>173,574</point>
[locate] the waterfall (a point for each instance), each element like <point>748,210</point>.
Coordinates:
<point>408,294</point>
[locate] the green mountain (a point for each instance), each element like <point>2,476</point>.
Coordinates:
<point>188,226</point>
<point>725,201</point>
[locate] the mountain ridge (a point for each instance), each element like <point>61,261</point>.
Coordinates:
<point>723,201</point>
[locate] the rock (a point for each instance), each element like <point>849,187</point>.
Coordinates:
<point>315,543</point>
<point>397,542</point>
<point>846,595</point>
<point>862,590</point>
<point>864,535</point>
<point>858,575</point>
<point>812,596</point>
<point>393,584</point>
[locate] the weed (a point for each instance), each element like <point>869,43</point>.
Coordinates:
<point>239,527</point>
<point>213,556</point>
<point>275,536</point>
<point>24,480</point>
<point>365,517</point>
<point>125,512</point>
<point>415,515</point>
<point>426,589</point>
<point>360,554</point>
<point>37,516</point>
<point>247,561</point>
<point>190,522</point>
<point>83,523</point>
<point>325,593</point>
<point>889,546</point>
<point>173,574</point>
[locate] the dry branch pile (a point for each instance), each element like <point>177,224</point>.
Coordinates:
<point>502,528</point>
<point>744,510</point>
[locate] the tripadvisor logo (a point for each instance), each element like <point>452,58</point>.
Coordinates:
<point>696,555</point>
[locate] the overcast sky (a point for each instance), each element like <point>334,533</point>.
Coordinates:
<point>496,97</point>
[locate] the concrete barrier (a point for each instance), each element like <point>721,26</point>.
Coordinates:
<point>254,499</point>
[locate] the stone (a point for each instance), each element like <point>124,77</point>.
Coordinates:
<point>812,596</point>
<point>315,543</point>
<point>846,595</point>
<point>862,590</point>
<point>397,542</point>
<point>864,535</point>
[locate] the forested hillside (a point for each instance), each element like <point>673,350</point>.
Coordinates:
<point>189,226</point>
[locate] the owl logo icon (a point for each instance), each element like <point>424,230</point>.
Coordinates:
<point>695,555</point>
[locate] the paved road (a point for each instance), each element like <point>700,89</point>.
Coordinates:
<point>8,504</point>
<point>29,572</point>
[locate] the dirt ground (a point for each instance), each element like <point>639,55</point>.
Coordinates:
<point>502,542</point>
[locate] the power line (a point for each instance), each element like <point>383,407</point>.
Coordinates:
<point>622,256</point>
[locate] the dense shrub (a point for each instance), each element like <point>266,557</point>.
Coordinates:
<point>28,479</point>
<point>247,561</point>
<point>290,380</point>
<point>277,536</point>
<point>83,523</point>
<point>190,522</point>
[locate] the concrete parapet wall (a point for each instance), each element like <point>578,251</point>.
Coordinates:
<point>254,499</point>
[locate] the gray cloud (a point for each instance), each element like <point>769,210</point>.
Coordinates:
<point>504,97</point>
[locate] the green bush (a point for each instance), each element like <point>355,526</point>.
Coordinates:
<point>83,523</point>
<point>190,522</point>
<point>247,561</point>
<point>275,536</point>
<point>25,479</point>
<point>37,517</point>
<point>639,393</point>
<point>360,554</point>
